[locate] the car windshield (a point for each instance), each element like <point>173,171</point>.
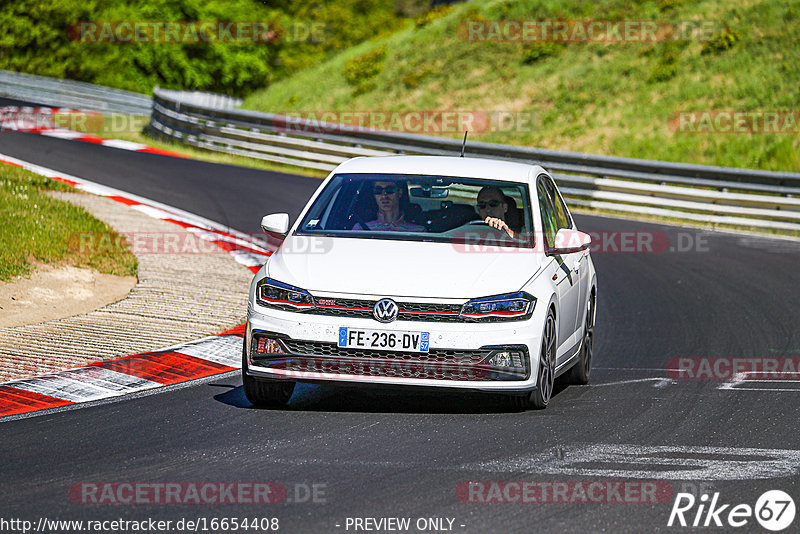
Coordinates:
<point>422,208</point>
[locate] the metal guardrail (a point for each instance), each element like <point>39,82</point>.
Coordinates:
<point>719,195</point>
<point>72,94</point>
<point>200,98</point>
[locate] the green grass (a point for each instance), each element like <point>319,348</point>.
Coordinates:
<point>603,98</point>
<point>39,229</point>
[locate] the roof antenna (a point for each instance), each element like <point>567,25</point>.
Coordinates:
<point>464,144</point>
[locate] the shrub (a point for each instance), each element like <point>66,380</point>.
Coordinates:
<point>721,41</point>
<point>365,67</point>
<point>533,52</point>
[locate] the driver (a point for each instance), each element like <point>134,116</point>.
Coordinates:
<point>388,197</point>
<point>492,208</point>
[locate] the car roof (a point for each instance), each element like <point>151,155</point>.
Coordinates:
<point>443,166</point>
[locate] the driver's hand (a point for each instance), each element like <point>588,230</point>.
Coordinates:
<point>500,224</point>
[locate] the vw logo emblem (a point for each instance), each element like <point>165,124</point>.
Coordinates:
<point>385,310</point>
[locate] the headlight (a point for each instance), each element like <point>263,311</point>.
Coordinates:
<point>509,307</point>
<point>274,294</point>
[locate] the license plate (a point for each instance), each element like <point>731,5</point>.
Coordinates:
<point>358,338</point>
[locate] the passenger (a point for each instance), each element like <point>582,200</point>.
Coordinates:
<point>389,196</point>
<point>492,208</point>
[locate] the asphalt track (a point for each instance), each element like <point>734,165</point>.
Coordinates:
<point>379,453</point>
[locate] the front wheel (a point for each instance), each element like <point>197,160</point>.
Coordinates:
<point>540,397</point>
<point>579,374</point>
<point>264,393</point>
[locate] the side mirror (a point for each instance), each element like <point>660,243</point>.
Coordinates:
<point>276,225</point>
<point>569,241</point>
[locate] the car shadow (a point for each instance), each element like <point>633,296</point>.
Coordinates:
<point>343,398</point>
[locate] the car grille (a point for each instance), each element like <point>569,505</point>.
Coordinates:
<point>312,357</point>
<point>316,348</point>
<point>387,369</point>
<point>409,311</point>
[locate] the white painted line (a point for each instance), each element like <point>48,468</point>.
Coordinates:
<point>659,382</point>
<point>776,381</point>
<point>741,379</point>
<point>655,462</point>
<point>224,350</point>
<point>736,385</point>
<point>124,145</point>
<point>769,390</point>
<point>62,134</point>
<point>650,369</point>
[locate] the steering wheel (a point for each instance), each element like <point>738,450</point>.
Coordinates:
<point>477,222</point>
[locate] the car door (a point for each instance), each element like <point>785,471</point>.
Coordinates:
<point>561,271</point>
<point>577,260</point>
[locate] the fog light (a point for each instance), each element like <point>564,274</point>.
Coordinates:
<point>265,345</point>
<point>506,358</point>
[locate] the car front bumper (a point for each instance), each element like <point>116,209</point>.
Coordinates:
<point>457,359</point>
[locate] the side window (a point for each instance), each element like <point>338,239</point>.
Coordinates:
<point>562,214</point>
<point>549,221</point>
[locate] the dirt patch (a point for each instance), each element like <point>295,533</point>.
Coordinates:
<point>58,292</point>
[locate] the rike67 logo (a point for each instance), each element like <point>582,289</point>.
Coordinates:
<point>774,510</point>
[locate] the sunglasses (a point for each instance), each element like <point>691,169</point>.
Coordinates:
<point>491,204</point>
<point>389,190</point>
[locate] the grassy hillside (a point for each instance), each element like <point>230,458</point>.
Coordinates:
<point>611,98</point>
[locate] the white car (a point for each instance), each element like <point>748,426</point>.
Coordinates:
<point>439,272</point>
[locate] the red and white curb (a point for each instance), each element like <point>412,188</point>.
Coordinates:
<point>42,121</point>
<point>130,374</point>
<point>181,363</point>
<point>113,143</point>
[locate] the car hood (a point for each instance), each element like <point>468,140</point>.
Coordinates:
<point>388,268</point>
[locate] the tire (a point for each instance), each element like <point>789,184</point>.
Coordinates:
<point>579,374</point>
<point>540,397</point>
<point>264,393</point>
